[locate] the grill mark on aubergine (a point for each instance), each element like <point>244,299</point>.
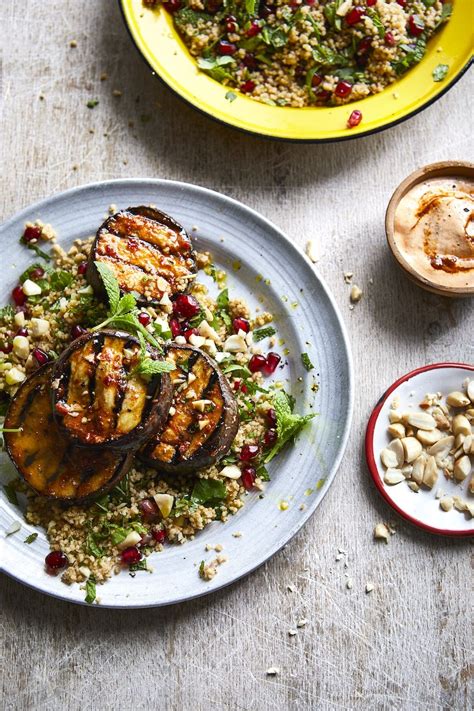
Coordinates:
<point>164,270</point>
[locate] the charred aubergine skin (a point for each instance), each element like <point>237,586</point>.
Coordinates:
<point>149,253</point>
<point>98,399</point>
<point>205,419</point>
<point>49,463</point>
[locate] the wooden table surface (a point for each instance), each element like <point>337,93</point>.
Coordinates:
<point>407,644</point>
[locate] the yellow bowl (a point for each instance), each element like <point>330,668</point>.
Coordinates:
<point>161,46</point>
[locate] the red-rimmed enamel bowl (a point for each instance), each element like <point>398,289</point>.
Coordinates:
<point>422,508</point>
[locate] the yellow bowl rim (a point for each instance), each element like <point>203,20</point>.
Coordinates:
<point>349,137</point>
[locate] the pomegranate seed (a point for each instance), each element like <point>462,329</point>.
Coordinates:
<point>110,251</point>
<point>355,15</point>
<point>226,48</point>
<point>37,273</point>
<point>254,29</point>
<point>247,87</point>
<point>22,332</point>
<point>248,477</point>
<point>175,327</point>
<point>343,89</point>
<point>190,332</point>
<point>31,233</point>
<point>402,3</point>
<point>270,438</point>
<point>40,356</point>
<point>144,318</point>
<point>250,61</point>
<point>271,363</point>
<point>6,348</point>
<point>159,535</point>
<point>230,23</point>
<point>77,331</point>
<point>364,45</point>
<point>172,6</point>
<point>390,39</point>
<point>241,324</point>
<point>323,95</point>
<point>149,509</point>
<point>18,296</point>
<point>82,268</point>
<point>272,417</point>
<point>415,25</point>
<point>354,119</point>
<point>187,306</point>
<point>236,385</point>
<point>257,363</point>
<point>131,555</point>
<point>56,560</point>
<point>248,452</point>
<point>316,80</point>
<point>310,2</point>
<point>371,3</point>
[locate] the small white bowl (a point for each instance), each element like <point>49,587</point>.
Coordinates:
<point>422,508</point>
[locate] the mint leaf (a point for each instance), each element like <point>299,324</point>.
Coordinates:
<point>110,284</point>
<point>148,367</point>
<point>288,424</point>
<point>7,313</point>
<point>91,592</point>
<point>439,73</point>
<point>306,362</point>
<point>251,6</point>
<point>264,332</point>
<point>127,303</point>
<point>60,279</point>
<point>222,300</point>
<point>208,491</point>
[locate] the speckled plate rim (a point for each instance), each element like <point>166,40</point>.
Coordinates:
<point>346,416</point>
<point>351,134</point>
<point>370,455</point>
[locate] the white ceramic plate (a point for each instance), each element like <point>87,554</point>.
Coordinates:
<point>420,508</point>
<point>306,317</point>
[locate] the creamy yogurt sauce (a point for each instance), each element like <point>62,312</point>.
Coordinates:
<point>434,230</point>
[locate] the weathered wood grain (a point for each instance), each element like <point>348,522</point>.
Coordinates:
<point>407,644</point>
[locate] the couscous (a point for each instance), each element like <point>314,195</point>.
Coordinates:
<point>307,52</point>
<point>53,309</point>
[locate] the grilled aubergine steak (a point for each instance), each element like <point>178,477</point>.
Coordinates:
<point>149,253</point>
<point>204,417</point>
<point>98,399</point>
<point>46,459</point>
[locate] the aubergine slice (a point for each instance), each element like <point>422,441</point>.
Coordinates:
<point>149,253</point>
<point>98,399</point>
<point>46,459</point>
<point>204,419</point>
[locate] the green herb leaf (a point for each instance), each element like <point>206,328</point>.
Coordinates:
<point>7,313</point>
<point>446,11</point>
<point>91,592</point>
<point>92,547</point>
<point>201,569</point>
<point>222,300</point>
<point>288,424</point>
<point>31,538</point>
<point>92,103</point>
<point>141,565</point>
<point>60,279</point>
<point>208,491</point>
<point>375,17</point>
<point>38,251</point>
<point>10,492</point>
<point>251,6</point>
<point>264,332</point>
<point>110,284</point>
<point>149,367</point>
<point>306,362</point>
<point>440,72</point>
